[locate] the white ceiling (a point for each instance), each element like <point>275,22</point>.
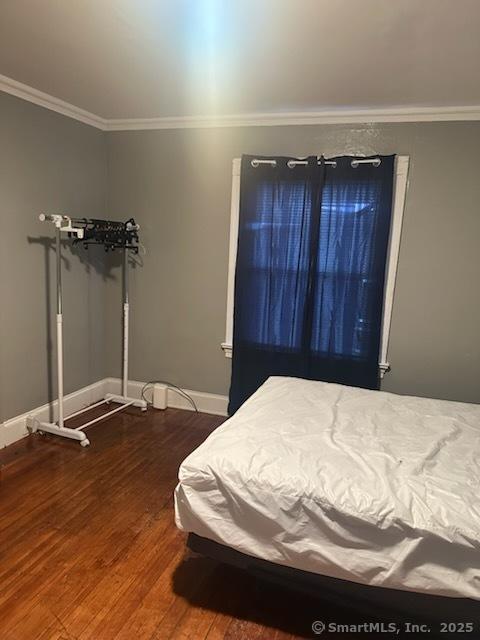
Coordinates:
<point>162,58</point>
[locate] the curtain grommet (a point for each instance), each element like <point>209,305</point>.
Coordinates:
<point>256,162</point>
<point>355,163</point>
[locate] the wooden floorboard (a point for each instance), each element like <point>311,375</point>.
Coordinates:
<point>89,549</point>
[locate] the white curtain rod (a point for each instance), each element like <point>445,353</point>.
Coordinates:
<point>293,163</point>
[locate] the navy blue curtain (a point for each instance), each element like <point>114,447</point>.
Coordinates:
<point>310,271</point>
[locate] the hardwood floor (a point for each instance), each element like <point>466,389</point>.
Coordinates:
<point>89,548</point>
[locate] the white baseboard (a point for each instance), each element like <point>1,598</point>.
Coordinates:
<point>15,428</point>
<point>206,402</point>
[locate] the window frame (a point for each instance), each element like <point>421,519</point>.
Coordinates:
<point>398,205</point>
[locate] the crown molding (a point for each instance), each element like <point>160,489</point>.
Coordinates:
<point>331,116</point>
<point>335,116</point>
<point>23,91</point>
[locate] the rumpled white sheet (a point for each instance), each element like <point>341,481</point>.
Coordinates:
<point>366,486</point>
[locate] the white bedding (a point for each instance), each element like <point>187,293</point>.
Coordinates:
<point>366,486</point>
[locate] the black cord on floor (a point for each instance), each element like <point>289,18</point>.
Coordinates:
<point>171,386</point>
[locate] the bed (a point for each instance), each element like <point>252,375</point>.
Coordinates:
<point>361,486</point>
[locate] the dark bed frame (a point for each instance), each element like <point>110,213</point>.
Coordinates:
<point>378,602</point>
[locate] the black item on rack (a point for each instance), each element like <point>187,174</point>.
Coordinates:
<point>109,233</point>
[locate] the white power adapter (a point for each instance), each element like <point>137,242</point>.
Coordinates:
<point>160,396</point>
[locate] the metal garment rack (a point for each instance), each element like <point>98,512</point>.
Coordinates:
<point>84,230</point>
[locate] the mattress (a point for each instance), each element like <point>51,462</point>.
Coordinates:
<point>366,486</point>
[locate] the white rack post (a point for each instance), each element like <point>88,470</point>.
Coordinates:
<point>124,398</point>
<point>64,223</point>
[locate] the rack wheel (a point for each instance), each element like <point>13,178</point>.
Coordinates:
<point>84,443</point>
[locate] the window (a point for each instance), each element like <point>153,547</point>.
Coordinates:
<point>287,334</point>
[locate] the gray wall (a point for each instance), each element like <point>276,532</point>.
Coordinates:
<point>177,184</point>
<point>48,163</point>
